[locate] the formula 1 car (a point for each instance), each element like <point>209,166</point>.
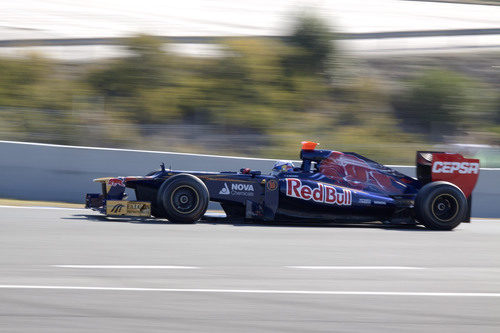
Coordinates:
<point>328,186</point>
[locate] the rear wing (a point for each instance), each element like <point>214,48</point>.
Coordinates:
<point>454,168</point>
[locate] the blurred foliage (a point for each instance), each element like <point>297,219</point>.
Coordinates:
<point>496,110</point>
<point>261,97</point>
<point>436,96</point>
<point>441,102</point>
<point>313,39</point>
<point>147,68</point>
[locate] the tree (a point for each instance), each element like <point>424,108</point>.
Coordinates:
<point>437,99</point>
<point>314,38</point>
<point>145,68</point>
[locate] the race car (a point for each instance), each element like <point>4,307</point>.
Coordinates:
<point>327,186</point>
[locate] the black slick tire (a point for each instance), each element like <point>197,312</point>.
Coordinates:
<point>440,206</point>
<point>183,198</point>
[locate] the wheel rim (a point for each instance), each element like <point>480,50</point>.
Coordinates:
<point>184,199</point>
<point>445,207</point>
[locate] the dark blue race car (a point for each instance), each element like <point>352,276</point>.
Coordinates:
<point>328,186</point>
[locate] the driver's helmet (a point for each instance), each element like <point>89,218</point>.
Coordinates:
<point>282,166</point>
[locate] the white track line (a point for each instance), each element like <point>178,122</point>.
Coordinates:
<point>194,267</point>
<point>264,291</point>
<point>135,151</point>
<point>125,267</point>
<point>354,267</point>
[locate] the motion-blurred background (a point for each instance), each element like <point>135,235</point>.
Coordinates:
<point>253,78</point>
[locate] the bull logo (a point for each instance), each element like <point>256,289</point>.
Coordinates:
<point>115,182</point>
<point>272,185</point>
<point>351,171</point>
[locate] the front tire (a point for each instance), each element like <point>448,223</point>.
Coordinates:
<point>184,198</point>
<point>440,206</point>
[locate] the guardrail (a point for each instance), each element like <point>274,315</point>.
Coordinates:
<point>34,171</point>
<point>215,39</point>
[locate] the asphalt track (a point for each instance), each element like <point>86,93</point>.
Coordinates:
<point>68,270</point>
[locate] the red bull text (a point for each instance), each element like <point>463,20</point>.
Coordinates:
<point>323,193</point>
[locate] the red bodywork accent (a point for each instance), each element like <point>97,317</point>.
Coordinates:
<point>353,172</point>
<point>245,171</point>
<point>116,182</point>
<point>456,169</point>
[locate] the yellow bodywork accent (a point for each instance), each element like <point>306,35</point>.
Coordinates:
<point>102,180</point>
<point>128,208</point>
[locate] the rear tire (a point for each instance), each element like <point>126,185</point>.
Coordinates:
<point>440,206</point>
<point>184,198</point>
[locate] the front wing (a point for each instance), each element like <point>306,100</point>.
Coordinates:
<point>123,208</point>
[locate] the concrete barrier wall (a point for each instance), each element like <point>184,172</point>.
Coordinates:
<point>64,173</point>
<point>34,171</point>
